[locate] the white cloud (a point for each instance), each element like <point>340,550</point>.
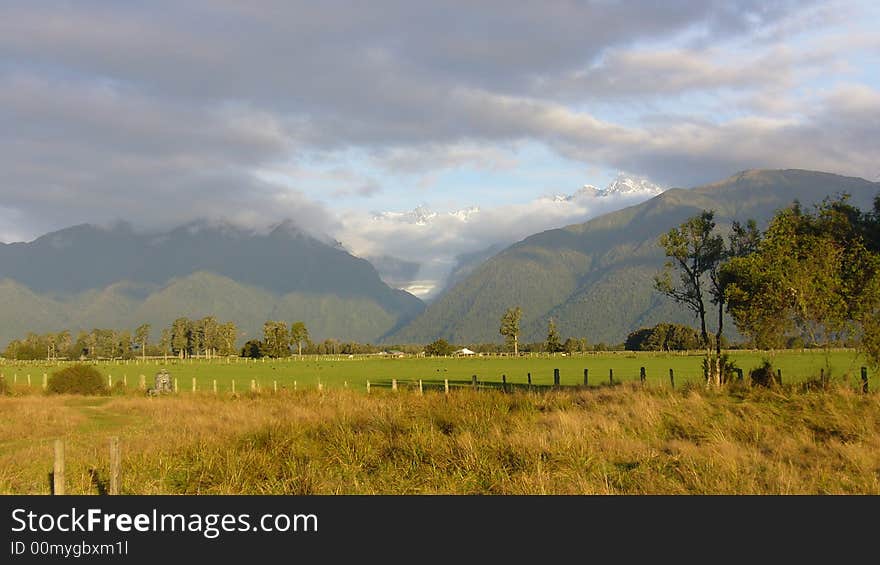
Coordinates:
<point>435,239</point>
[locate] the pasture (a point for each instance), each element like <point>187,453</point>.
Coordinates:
<point>341,371</point>
<point>625,439</point>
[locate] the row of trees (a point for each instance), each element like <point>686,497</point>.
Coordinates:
<point>812,275</point>
<point>183,338</point>
<point>99,342</point>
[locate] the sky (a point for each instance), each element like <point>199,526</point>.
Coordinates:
<point>334,114</point>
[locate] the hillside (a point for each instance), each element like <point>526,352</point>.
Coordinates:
<point>595,278</point>
<point>86,276</point>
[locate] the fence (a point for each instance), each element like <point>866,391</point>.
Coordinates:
<point>474,383</point>
<point>113,485</point>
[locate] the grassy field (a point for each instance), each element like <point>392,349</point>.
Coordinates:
<point>339,372</point>
<point>625,439</point>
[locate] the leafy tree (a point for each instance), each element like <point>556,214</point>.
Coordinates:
<point>181,337</point>
<point>141,335</point>
<point>228,334</point>
<point>298,334</point>
<point>438,348</point>
<point>510,327</point>
<point>552,344</point>
<point>570,346</point>
<point>663,337</point>
<point>276,338</point>
<point>694,251</point>
<point>253,348</point>
<point>813,274</point>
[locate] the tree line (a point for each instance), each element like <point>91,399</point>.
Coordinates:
<point>811,275</point>
<point>183,338</point>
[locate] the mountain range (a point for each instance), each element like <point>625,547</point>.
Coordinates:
<point>87,276</point>
<point>595,278</point>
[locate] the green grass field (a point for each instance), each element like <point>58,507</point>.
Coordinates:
<point>341,371</point>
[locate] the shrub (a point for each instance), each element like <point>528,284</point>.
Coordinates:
<point>726,364</point>
<point>77,379</point>
<point>765,375</point>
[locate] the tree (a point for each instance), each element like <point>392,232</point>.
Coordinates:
<point>694,251</point>
<point>276,338</point>
<point>815,274</point>
<point>181,337</point>
<point>571,345</point>
<point>165,341</point>
<point>229,334</point>
<point>141,335</point>
<point>253,349</point>
<point>438,348</point>
<point>510,327</point>
<point>64,342</point>
<point>552,343</point>
<point>663,337</point>
<point>298,334</point>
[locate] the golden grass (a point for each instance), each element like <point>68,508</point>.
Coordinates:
<point>612,440</point>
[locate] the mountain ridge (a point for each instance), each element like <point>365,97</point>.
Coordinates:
<point>594,278</point>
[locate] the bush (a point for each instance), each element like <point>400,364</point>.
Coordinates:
<point>77,379</point>
<point>727,365</point>
<point>765,375</point>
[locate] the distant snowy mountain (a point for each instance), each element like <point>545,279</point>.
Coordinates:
<point>624,185</point>
<point>422,215</point>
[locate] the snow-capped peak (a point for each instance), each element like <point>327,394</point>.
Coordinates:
<point>627,184</point>
<point>622,185</point>
<point>422,215</point>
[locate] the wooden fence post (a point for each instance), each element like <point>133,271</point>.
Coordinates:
<point>125,381</point>
<point>864,379</point>
<point>253,385</point>
<point>214,385</point>
<point>194,384</point>
<point>822,376</point>
<point>58,470</point>
<point>175,384</point>
<point>779,376</point>
<point>233,386</point>
<point>642,375</point>
<point>368,387</point>
<point>421,391</point>
<point>611,376</point>
<point>446,386</point>
<point>672,379</point>
<point>586,377</point>
<point>529,376</point>
<point>115,465</point>
<point>275,386</point>
<point>109,381</point>
<point>29,380</point>
<point>393,384</point>
<point>45,381</point>
<point>474,381</point>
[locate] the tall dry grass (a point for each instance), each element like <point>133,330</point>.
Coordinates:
<point>613,440</point>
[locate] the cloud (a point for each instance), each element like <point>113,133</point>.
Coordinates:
<point>434,241</point>
<point>163,113</point>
